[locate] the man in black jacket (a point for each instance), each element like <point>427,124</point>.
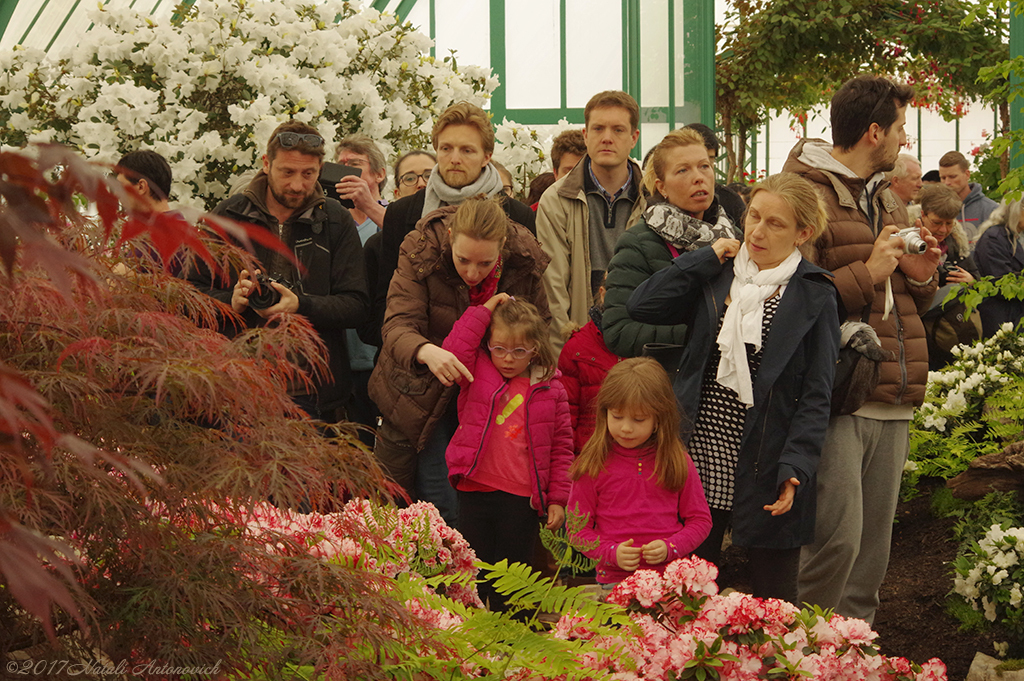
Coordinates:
<point>463,138</point>
<point>286,199</point>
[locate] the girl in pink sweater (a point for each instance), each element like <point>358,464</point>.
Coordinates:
<point>509,459</point>
<point>634,481</point>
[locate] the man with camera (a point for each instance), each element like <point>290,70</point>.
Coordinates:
<point>885,277</point>
<point>286,199</point>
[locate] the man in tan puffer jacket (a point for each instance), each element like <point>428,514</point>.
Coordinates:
<point>864,452</point>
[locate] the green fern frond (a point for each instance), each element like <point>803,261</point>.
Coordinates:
<point>527,589</point>
<point>567,552</point>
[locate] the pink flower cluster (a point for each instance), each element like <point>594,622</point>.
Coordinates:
<point>415,539</point>
<point>683,621</point>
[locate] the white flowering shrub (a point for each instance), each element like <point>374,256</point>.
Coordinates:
<point>523,151</point>
<point>972,408</point>
<point>989,577</point>
<point>207,90</point>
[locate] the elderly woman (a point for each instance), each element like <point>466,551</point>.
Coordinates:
<point>999,251</point>
<point>683,216</point>
<point>453,259</point>
<point>946,325</point>
<point>755,380</point>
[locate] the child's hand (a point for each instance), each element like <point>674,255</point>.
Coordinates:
<point>786,495</point>
<point>628,557</point>
<point>496,300</point>
<point>726,248</point>
<point>556,516</point>
<point>655,552</point>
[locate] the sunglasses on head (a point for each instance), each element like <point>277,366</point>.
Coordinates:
<point>290,140</point>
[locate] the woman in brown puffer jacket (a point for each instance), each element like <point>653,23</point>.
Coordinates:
<point>456,257</point>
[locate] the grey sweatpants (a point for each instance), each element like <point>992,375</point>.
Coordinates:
<point>858,486</point>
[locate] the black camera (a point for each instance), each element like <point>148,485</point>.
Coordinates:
<point>265,295</point>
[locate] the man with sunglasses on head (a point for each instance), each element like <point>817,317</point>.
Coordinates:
<point>286,199</point>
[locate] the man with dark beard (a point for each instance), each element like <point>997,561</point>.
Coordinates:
<point>864,452</point>
<point>329,287</point>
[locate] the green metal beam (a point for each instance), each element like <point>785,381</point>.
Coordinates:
<point>32,25</point>
<point>671,65</point>
<point>64,23</point>
<point>575,115</point>
<point>631,58</point>
<point>498,97</point>
<point>403,9</point>
<point>433,27</point>
<point>699,49</point>
<point>544,116</point>
<point>563,70</point>
<point>380,5</point>
<point>919,145</point>
<point>625,45</point>
<point>7,11</point>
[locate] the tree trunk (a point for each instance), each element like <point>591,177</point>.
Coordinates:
<point>730,152</point>
<point>741,158</point>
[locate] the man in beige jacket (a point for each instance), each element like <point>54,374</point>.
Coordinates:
<point>582,215</point>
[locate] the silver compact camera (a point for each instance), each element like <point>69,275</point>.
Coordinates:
<point>912,241</point>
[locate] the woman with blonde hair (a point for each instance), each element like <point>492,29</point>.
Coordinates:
<point>756,375</point>
<point>683,215</point>
<point>455,258</point>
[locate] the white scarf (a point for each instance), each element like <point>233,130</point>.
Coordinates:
<point>745,315</point>
<point>440,194</point>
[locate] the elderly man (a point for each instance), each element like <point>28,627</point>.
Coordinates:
<point>329,284</point>
<point>906,181</point>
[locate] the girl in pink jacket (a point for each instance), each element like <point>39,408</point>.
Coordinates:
<point>510,457</point>
<point>634,481</point>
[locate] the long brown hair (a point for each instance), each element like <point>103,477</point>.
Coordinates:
<point>522,319</point>
<point>640,386</point>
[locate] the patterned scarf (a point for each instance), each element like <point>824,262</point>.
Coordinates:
<point>686,232</point>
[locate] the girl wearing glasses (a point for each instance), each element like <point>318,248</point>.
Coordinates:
<point>510,457</point>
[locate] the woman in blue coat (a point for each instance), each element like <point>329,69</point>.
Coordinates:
<point>1000,251</point>
<point>755,381</point>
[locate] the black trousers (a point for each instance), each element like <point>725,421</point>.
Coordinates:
<point>498,525</point>
<point>773,572</point>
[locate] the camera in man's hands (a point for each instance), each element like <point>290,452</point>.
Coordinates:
<point>912,240</point>
<point>264,295</point>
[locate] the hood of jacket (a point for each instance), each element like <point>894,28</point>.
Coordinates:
<point>813,159</point>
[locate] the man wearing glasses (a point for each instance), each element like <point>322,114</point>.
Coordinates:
<point>880,283</point>
<point>330,290</point>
